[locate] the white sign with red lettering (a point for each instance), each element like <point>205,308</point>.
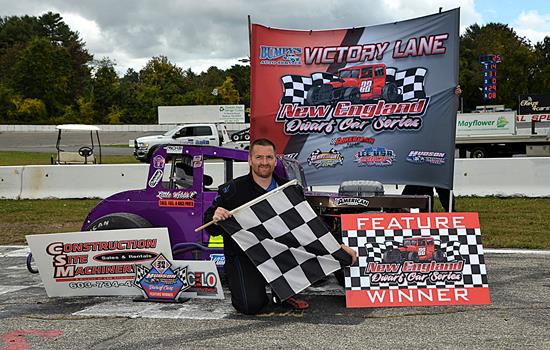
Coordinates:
<point>415,260</point>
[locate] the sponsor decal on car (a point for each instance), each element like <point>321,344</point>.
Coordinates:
<point>351,201</point>
<point>320,159</point>
<point>197,161</point>
<point>158,162</point>
<point>155,178</point>
<point>174,149</point>
<point>280,56</point>
<point>420,157</point>
<point>219,259</point>
<point>176,194</point>
<point>176,203</point>
<point>375,156</point>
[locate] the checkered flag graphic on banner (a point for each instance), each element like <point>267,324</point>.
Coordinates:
<point>291,247</point>
<point>296,86</point>
<point>141,271</point>
<point>457,244</point>
<point>451,250</point>
<point>410,82</point>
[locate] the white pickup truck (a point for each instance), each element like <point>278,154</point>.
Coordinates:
<point>187,134</point>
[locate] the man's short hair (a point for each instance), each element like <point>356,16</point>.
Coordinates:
<point>262,142</point>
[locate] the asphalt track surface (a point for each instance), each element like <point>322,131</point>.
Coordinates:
<point>518,318</point>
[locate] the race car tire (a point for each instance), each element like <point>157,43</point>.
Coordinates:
<point>118,221</point>
<point>439,256</point>
<point>319,94</point>
<point>235,137</point>
<point>392,256</point>
<point>390,92</point>
<point>352,94</point>
<point>413,256</point>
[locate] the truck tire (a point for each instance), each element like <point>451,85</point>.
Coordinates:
<point>352,94</point>
<point>150,154</point>
<point>390,92</point>
<point>247,136</point>
<point>478,152</point>
<point>235,137</point>
<point>117,221</point>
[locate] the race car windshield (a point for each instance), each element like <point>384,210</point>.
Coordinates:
<point>353,73</point>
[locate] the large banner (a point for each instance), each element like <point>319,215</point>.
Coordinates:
<point>415,260</point>
<point>534,107</point>
<point>374,103</point>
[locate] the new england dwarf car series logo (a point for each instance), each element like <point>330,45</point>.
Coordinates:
<point>320,159</point>
<point>420,157</point>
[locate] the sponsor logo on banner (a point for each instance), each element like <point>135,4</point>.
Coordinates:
<point>375,156</point>
<point>533,117</point>
<point>155,178</point>
<point>351,141</point>
<point>419,260</point>
<point>280,56</point>
<point>158,162</point>
<point>420,157</point>
<point>161,282</point>
<point>320,159</point>
<point>351,201</point>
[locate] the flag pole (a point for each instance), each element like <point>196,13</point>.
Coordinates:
<point>252,202</point>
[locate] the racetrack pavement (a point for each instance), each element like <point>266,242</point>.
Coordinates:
<point>519,317</point>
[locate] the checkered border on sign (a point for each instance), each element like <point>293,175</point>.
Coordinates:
<point>474,272</point>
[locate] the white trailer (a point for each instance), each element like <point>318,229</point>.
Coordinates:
<point>201,114</point>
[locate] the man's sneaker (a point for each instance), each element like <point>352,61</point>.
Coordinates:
<point>292,302</point>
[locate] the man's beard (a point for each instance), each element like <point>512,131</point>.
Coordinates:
<point>264,172</point>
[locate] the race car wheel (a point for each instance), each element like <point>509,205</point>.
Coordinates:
<point>390,92</point>
<point>413,256</point>
<point>319,94</point>
<point>392,256</point>
<point>235,137</point>
<point>439,256</point>
<point>117,221</point>
<point>352,94</point>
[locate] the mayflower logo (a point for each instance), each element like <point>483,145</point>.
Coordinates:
<point>320,159</point>
<point>501,122</point>
<point>351,201</point>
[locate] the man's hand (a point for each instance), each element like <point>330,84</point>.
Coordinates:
<point>458,90</point>
<point>221,214</point>
<point>351,252</point>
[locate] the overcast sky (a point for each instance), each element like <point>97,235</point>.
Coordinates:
<point>199,34</point>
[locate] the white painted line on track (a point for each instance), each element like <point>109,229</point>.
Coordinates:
<point>9,289</point>
<point>22,251</point>
<point>517,251</point>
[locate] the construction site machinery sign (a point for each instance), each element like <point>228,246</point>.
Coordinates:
<point>363,103</point>
<point>422,259</point>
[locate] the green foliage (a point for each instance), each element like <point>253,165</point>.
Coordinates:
<point>227,92</point>
<point>27,110</point>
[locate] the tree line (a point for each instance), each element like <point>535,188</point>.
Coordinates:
<point>48,77</point>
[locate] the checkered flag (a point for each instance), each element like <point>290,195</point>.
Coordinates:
<point>451,250</point>
<point>295,87</point>
<point>375,252</point>
<point>410,82</point>
<point>291,247</point>
<point>141,271</point>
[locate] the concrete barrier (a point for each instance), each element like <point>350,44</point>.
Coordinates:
<point>526,177</point>
<point>80,181</point>
<point>10,182</point>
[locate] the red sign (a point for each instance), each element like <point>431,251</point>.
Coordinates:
<point>176,203</point>
<point>415,260</point>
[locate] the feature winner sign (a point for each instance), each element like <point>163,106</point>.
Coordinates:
<point>415,260</point>
<point>353,104</point>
